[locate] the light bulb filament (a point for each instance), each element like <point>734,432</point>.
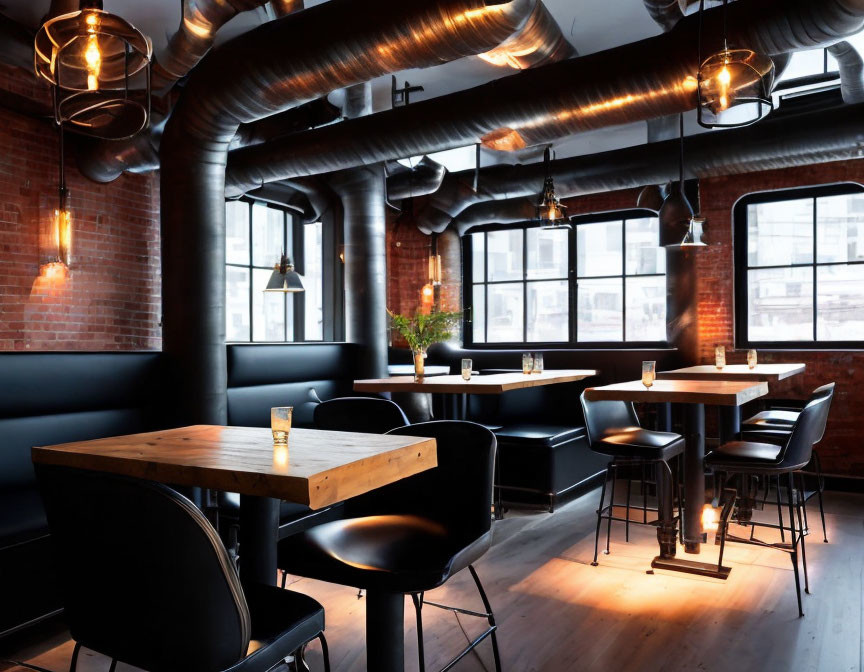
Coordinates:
<point>93,59</point>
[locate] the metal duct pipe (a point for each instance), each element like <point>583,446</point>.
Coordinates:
<point>361,191</point>
<point>666,13</point>
<point>778,142</point>
<point>424,178</point>
<point>105,160</point>
<point>199,23</point>
<point>285,7</point>
<point>255,75</point>
<point>635,82</point>
<point>851,71</point>
<point>539,42</point>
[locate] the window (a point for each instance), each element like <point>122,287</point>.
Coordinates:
<point>603,281</point>
<point>256,234</point>
<point>800,267</point>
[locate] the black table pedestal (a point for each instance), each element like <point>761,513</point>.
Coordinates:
<point>385,634</point>
<point>259,529</point>
<point>694,500</point>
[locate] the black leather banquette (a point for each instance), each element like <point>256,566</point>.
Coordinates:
<point>298,375</point>
<point>49,398</point>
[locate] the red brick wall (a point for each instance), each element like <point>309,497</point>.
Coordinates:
<point>841,450</point>
<point>111,297</point>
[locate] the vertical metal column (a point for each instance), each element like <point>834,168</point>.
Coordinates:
<point>694,476</point>
<point>259,529</point>
<point>385,635</point>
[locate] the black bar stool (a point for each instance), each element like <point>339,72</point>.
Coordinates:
<point>753,458</point>
<point>614,430</point>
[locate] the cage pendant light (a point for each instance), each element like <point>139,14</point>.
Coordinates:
<point>550,213</point>
<point>99,65</point>
<point>734,85</point>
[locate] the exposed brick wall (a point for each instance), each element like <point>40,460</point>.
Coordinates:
<point>841,450</point>
<point>111,297</point>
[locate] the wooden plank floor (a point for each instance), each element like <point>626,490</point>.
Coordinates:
<point>557,613</point>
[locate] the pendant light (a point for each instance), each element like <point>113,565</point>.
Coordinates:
<point>90,57</point>
<point>734,85</point>
<point>284,278</point>
<point>57,255</point>
<point>550,213</point>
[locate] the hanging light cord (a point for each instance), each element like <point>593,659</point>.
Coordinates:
<point>681,157</point>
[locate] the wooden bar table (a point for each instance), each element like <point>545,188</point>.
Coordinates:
<point>730,416</point>
<point>496,383</point>
<point>316,468</point>
<point>693,395</point>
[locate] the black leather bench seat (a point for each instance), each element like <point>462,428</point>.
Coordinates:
<point>538,463</point>
<point>548,435</point>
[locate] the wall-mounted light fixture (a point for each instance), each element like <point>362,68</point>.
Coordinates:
<point>734,85</point>
<point>56,256</point>
<point>90,57</point>
<point>284,278</point>
<point>550,213</point>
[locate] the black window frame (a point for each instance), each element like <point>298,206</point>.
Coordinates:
<point>296,250</point>
<point>739,218</point>
<point>572,343</point>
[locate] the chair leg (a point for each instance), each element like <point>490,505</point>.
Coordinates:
<point>627,508</point>
<point>113,666</point>
<point>644,499</point>
<point>678,478</point>
<point>780,513</point>
<point>611,506</point>
<point>820,486</point>
<point>799,507</point>
<point>802,487</point>
<point>418,608</point>
<point>325,651</point>
<point>790,494</point>
<point>73,664</point>
<point>490,618</point>
<point>600,514</point>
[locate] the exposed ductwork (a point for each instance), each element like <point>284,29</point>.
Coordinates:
<point>424,178</point>
<point>851,72</point>
<point>666,13</point>
<point>778,142</point>
<point>200,21</point>
<point>539,42</point>
<point>260,73</point>
<point>640,81</point>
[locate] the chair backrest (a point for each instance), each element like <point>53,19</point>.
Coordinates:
<point>458,493</point>
<point>601,417</point>
<point>369,415</point>
<point>823,392</point>
<point>806,431</point>
<point>146,578</point>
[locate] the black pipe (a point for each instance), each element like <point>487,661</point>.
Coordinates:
<point>780,141</point>
<point>851,71</point>
<point>666,13</point>
<point>362,193</point>
<point>634,82</point>
<point>263,72</point>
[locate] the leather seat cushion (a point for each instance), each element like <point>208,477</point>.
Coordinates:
<point>272,610</point>
<point>22,516</point>
<point>640,443</point>
<point>546,435</point>
<point>746,450</point>
<point>397,553</point>
<point>773,417</point>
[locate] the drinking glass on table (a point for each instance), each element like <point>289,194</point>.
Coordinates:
<point>751,359</point>
<point>527,363</point>
<point>538,363</point>
<point>467,367</point>
<point>280,424</point>
<point>649,371</point>
<point>719,357</point>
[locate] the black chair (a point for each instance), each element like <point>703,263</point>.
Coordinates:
<point>370,415</point>
<point>774,425</point>
<point>614,430</point>
<point>411,536</point>
<point>148,582</point>
<point>754,458</point>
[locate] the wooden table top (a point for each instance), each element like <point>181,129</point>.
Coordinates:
<point>317,468</point>
<point>714,392</point>
<point>763,372</point>
<point>496,383</point>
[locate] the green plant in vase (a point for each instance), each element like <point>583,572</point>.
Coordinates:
<point>422,330</point>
